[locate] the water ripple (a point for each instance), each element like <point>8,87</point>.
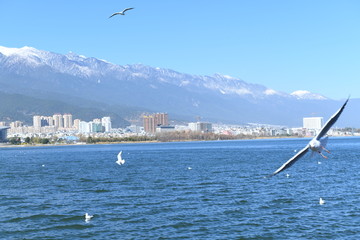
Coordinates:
<point>155,196</point>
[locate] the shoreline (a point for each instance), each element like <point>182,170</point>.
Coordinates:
<point>4,145</point>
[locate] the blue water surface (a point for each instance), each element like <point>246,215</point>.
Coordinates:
<point>186,190</point>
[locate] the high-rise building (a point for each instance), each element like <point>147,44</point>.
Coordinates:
<point>77,123</point>
<point>106,123</point>
<point>315,123</point>
<point>95,127</point>
<point>49,120</point>
<point>68,123</point>
<point>152,121</point>
<point>84,127</point>
<point>3,133</point>
<point>16,124</point>
<point>161,119</point>
<point>96,120</point>
<point>42,121</point>
<point>58,121</point>
<point>37,121</point>
<point>149,124</point>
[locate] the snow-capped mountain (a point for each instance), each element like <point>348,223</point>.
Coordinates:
<point>303,94</point>
<point>219,97</point>
<point>18,59</point>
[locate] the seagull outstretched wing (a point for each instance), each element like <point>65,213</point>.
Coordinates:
<point>331,121</point>
<point>121,13</point>
<point>126,9</point>
<point>291,161</point>
<point>318,137</point>
<point>114,14</point>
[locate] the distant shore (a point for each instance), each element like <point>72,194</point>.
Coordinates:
<point>5,145</point>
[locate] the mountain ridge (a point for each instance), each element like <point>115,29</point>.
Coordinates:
<point>81,66</point>
<point>218,97</point>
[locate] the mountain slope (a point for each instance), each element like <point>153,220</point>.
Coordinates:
<point>16,107</point>
<point>215,98</point>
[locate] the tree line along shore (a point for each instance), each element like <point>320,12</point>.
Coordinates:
<point>163,137</point>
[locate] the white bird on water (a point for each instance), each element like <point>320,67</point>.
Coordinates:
<point>120,161</point>
<point>321,201</point>
<point>122,12</point>
<point>317,144</point>
<point>88,217</point>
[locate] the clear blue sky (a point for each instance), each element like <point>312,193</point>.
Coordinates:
<point>286,45</point>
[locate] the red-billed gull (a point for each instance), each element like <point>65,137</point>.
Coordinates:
<point>317,144</point>
<point>120,161</point>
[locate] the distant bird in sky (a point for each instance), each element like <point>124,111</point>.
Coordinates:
<point>317,144</point>
<point>121,13</point>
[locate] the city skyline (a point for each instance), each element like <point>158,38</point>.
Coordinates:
<point>284,45</point>
<point>61,126</point>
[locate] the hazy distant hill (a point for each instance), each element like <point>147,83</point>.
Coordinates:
<point>19,107</point>
<point>77,79</point>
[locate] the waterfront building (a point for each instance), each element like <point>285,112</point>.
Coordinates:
<point>106,123</point>
<point>84,127</point>
<point>16,124</point>
<point>135,129</point>
<point>58,121</point>
<point>3,134</point>
<point>96,120</point>
<point>200,127</point>
<point>37,121</point>
<point>161,119</point>
<point>77,123</point>
<point>68,122</point>
<point>149,123</point>
<point>315,123</point>
<point>165,129</point>
<point>49,121</point>
<point>95,127</point>
<point>152,121</point>
<point>42,121</point>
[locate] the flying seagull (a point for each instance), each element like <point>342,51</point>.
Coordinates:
<point>316,145</point>
<point>120,161</point>
<point>121,13</point>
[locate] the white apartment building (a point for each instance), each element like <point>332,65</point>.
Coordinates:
<point>315,123</point>
<point>37,121</point>
<point>58,121</point>
<point>68,122</point>
<point>106,123</point>
<point>84,127</point>
<point>200,127</point>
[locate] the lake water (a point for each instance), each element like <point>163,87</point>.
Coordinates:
<point>187,190</point>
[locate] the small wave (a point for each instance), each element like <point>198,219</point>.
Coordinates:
<point>86,180</point>
<point>181,225</point>
<point>102,190</point>
<point>34,217</point>
<point>70,226</point>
